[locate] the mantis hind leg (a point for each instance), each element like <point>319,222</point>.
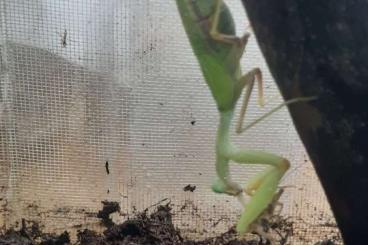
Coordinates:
<point>263,187</point>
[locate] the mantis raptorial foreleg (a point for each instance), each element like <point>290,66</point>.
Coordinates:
<point>262,187</point>
<point>225,38</point>
<point>260,226</point>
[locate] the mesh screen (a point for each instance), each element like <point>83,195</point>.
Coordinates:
<point>86,83</point>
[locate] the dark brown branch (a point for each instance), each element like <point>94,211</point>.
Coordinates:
<point>320,48</point>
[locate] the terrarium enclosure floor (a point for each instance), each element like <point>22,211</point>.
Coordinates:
<point>188,218</point>
<point>155,227</point>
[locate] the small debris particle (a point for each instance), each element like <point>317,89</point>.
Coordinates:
<point>193,122</point>
<point>107,167</point>
<point>190,188</point>
<point>63,38</point>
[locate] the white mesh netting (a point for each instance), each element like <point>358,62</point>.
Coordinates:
<point>89,82</point>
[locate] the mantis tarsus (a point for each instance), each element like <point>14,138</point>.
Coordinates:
<point>210,28</point>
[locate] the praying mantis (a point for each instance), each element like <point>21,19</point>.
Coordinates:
<point>211,32</point>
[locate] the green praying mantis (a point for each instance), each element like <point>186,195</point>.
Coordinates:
<point>211,32</point>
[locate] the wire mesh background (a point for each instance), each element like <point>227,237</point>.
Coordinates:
<point>89,82</point>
